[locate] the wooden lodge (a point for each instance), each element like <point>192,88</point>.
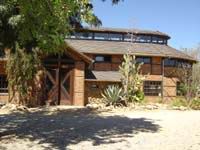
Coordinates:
<point>91,63</point>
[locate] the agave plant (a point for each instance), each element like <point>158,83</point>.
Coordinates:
<point>112,95</point>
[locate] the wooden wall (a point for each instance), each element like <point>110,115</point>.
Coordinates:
<point>2,67</point>
<point>152,71</point>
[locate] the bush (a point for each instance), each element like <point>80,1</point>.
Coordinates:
<point>140,96</point>
<point>195,104</point>
<point>112,95</point>
<point>179,102</point>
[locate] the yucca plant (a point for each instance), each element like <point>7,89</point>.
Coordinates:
<point>112,95</point>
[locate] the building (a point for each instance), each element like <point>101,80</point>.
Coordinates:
<point>91,63</point>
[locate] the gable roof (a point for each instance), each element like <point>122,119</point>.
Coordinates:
<point>74,53</point>
<point>120,48</point>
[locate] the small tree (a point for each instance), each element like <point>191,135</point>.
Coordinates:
<point>131,79</point>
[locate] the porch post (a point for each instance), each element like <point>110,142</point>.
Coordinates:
<point>163,75</point>
<point>79,84</point>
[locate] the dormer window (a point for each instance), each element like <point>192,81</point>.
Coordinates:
<point>102,58</point>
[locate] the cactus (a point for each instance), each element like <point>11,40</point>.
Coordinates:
<point>131,78</point>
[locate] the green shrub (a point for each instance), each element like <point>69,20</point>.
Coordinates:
<point>195,104</point>
<point>179,102</point>
<point>140,96</point>
<point>112,95</point>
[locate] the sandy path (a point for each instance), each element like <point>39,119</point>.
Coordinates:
<point>63,128</point>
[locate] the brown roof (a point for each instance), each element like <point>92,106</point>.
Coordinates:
<point>120,48</point>
<point>73,51</point>
<point>111,76</point>
<point>121,30</point>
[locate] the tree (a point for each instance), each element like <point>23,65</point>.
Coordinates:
<point>189,76</point>
<point>31,29</point>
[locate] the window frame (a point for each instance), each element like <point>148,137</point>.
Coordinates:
<point>107,60</point>
<point>3,85</point>
<point>151,88</point>
<point>168,64</point>
<point>143,58</point>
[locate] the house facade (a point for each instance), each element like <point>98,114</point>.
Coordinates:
<point>91,63</point>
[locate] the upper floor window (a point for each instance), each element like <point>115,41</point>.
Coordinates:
<point>82,35</point>
<point>184,64</point>
<point>127,37</point>
<point>177,63</point>
<point>102,58</point>
<point>169,62</point>
<point>115,37</point>
<point>101,36</point>
<point>3,84</point>
<point>159,40</point>
<point>144,60</point>
<point>143,39</point>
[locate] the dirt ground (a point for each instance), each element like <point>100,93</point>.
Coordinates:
<point>69,128</point>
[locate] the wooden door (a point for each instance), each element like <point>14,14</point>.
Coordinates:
<point>66,87</point>
<point>52,86</point>
<point>59,86</point>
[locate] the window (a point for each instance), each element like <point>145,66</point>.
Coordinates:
<point>94,86</point>
<point>83,35</point>
<point>169,62</point>
<point>3,84</point>
<point>103,58</point>
<point>143,39</point>
<point>184,64</point>
<point>115,37</point>
<point>130,37</point>
<point>152,88</point>
<point>157,40</point>
<point>144,60</point>
<point>177,63</point>
<point>101,36</point>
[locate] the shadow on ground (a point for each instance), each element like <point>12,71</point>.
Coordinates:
<point>71,126</point>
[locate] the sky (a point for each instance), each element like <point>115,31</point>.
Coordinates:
<point>178,18</point>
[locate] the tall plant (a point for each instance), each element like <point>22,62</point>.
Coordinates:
<point>21,70</point>
<point>131,79</point>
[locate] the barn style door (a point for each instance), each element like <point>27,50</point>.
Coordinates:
<point>59,86</point>
<point>66,83</point>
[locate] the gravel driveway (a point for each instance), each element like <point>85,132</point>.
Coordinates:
<point>82,129</point>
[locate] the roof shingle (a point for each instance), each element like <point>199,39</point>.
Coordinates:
<point>111,76</point>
